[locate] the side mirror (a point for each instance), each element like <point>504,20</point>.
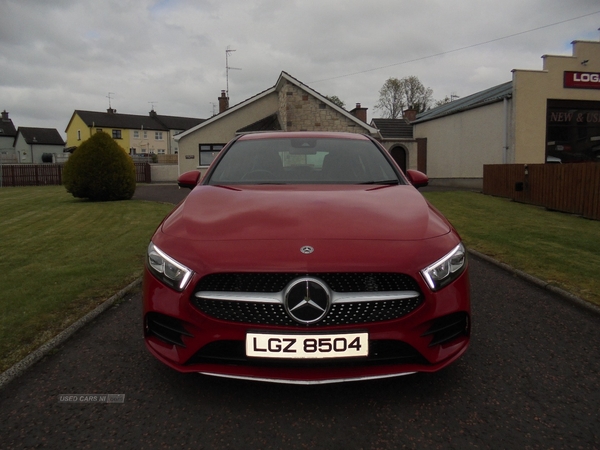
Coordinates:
<point>188,179</point>
<point>417,179</point>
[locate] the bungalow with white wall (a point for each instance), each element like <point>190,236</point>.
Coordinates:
<point>38,145</point>
<point>289,105</point>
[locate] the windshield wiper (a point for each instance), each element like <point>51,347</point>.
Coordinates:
<point>389,182</point>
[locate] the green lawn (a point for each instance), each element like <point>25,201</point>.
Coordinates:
<point>61,257</point>
<point>559,248</point>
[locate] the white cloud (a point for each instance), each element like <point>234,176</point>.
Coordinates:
<point>63,55</point>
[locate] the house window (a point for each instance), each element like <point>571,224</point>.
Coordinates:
<point>136,134</point>
<point>145,135</point>
<point>116,134</point>
<point>78,135</point>
<point>161,151</point>
<point>208,152</point>
<point>158,135</point>
<point>98,130</point>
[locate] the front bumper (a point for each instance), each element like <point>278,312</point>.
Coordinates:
<point>428,339</point>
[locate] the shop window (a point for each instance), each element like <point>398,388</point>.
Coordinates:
<point>572,131</point>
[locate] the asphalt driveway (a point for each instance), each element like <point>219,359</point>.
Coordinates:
<point>529,380</point>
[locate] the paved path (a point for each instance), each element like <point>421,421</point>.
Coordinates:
<point>167,193</point>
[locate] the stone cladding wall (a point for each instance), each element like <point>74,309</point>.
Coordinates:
<point>299,111</point>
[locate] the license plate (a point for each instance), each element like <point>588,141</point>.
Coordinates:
<point>307,346</point>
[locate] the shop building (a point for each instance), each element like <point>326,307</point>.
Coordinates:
<point>540,116</point>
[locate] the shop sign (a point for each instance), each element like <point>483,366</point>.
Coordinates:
<point>582,80</point>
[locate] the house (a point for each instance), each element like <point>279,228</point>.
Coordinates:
<point>540,116</point>
<point>8,133</point>
<point>396,135</point>
<point>137,134</point>
<point>31,144</point>
<point>289,105</point>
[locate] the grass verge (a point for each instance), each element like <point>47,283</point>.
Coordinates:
<point>61,257</point>
<point>562,249</point>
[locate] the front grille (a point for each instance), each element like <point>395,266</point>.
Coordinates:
<point>338,282</point>
<point>351,313</point>
<point>274,314</point>
<point>380,352</point>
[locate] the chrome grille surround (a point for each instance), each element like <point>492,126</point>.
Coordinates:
<point>259,299</point>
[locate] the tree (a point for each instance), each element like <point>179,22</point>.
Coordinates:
<point>443,101</point>
<point>336,100</point>
<point>100,170</point>
<point>408,93</point>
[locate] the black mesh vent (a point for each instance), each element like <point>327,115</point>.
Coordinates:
<point>168,329</point>
<point>448,328</point>
<point>338,282</point>
<point>274,314</point>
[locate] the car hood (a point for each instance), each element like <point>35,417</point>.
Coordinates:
<point>267,212</point>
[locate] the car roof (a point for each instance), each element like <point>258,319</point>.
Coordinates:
<point>303,135</point>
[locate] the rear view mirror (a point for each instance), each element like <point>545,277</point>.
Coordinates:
<point>417,179</point>
<point>189,179</point>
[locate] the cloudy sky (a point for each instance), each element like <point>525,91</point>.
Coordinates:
<point>60,55</point>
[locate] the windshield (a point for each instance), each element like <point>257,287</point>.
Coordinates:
<point>304,161</point>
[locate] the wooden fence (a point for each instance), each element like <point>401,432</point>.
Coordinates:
<point>51,174</point>
<point>167,159</point>
<point>570,188</point>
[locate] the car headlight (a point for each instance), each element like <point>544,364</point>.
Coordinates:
<point>167,270</point>
<point>445,270</point>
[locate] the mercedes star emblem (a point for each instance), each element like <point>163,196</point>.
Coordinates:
<point>307,300</point>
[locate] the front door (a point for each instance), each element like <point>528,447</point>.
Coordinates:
<point>399,155</point>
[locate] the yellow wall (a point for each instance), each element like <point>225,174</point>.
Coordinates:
<point>78,125</point>
<point>533,88</point>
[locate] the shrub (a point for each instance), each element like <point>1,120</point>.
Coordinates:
<point>99,169</point>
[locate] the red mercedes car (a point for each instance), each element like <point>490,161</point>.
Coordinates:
<point>306,258</point>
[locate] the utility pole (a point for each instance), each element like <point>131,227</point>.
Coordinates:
<point>227,68</point>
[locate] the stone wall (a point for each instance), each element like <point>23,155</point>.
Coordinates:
<point>299,111</point>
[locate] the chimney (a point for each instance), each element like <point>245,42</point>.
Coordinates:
<point>5,115</point>
<point>410,114</point>
<point>111,110</point>
<point>223,102</point>
<point>360,113</point>
<point>152,113</point>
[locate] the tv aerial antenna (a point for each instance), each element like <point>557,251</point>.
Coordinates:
<point>153,103</point>
<point>109,97</point>
<point>227,68</point>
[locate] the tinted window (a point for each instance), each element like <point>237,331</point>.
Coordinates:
<point>303,161</point>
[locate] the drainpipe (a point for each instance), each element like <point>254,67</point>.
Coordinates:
<point>505,148</point>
